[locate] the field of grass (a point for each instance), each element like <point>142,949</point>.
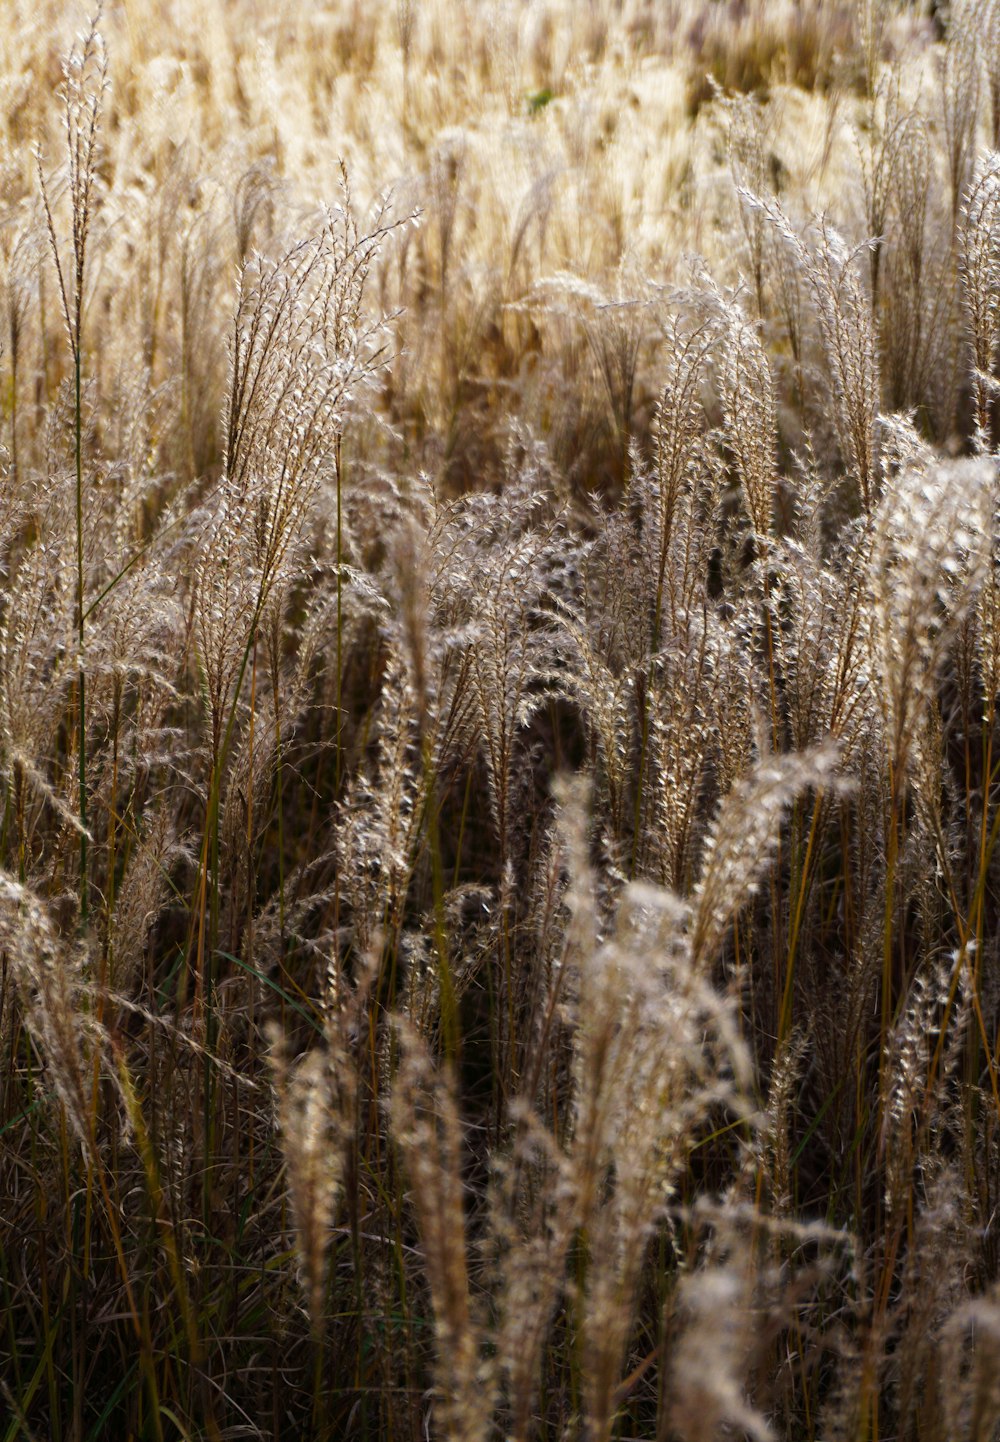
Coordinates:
<point>499,752</point>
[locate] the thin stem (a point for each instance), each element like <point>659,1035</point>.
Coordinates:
<point>82,677</point>
<point>338,461</point>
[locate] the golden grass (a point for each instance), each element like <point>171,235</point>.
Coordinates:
<point>499,653</point>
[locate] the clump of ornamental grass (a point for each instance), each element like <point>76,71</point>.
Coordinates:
<point>50,981</point>
<point>498,781</point>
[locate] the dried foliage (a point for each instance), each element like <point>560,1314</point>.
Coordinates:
<point>498,722</point>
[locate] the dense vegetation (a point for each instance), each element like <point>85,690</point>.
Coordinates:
<point>499,662</point>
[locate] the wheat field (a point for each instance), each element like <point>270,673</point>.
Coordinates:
<point>500,763</point>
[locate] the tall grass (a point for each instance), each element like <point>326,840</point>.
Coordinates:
<point>499,652</point>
